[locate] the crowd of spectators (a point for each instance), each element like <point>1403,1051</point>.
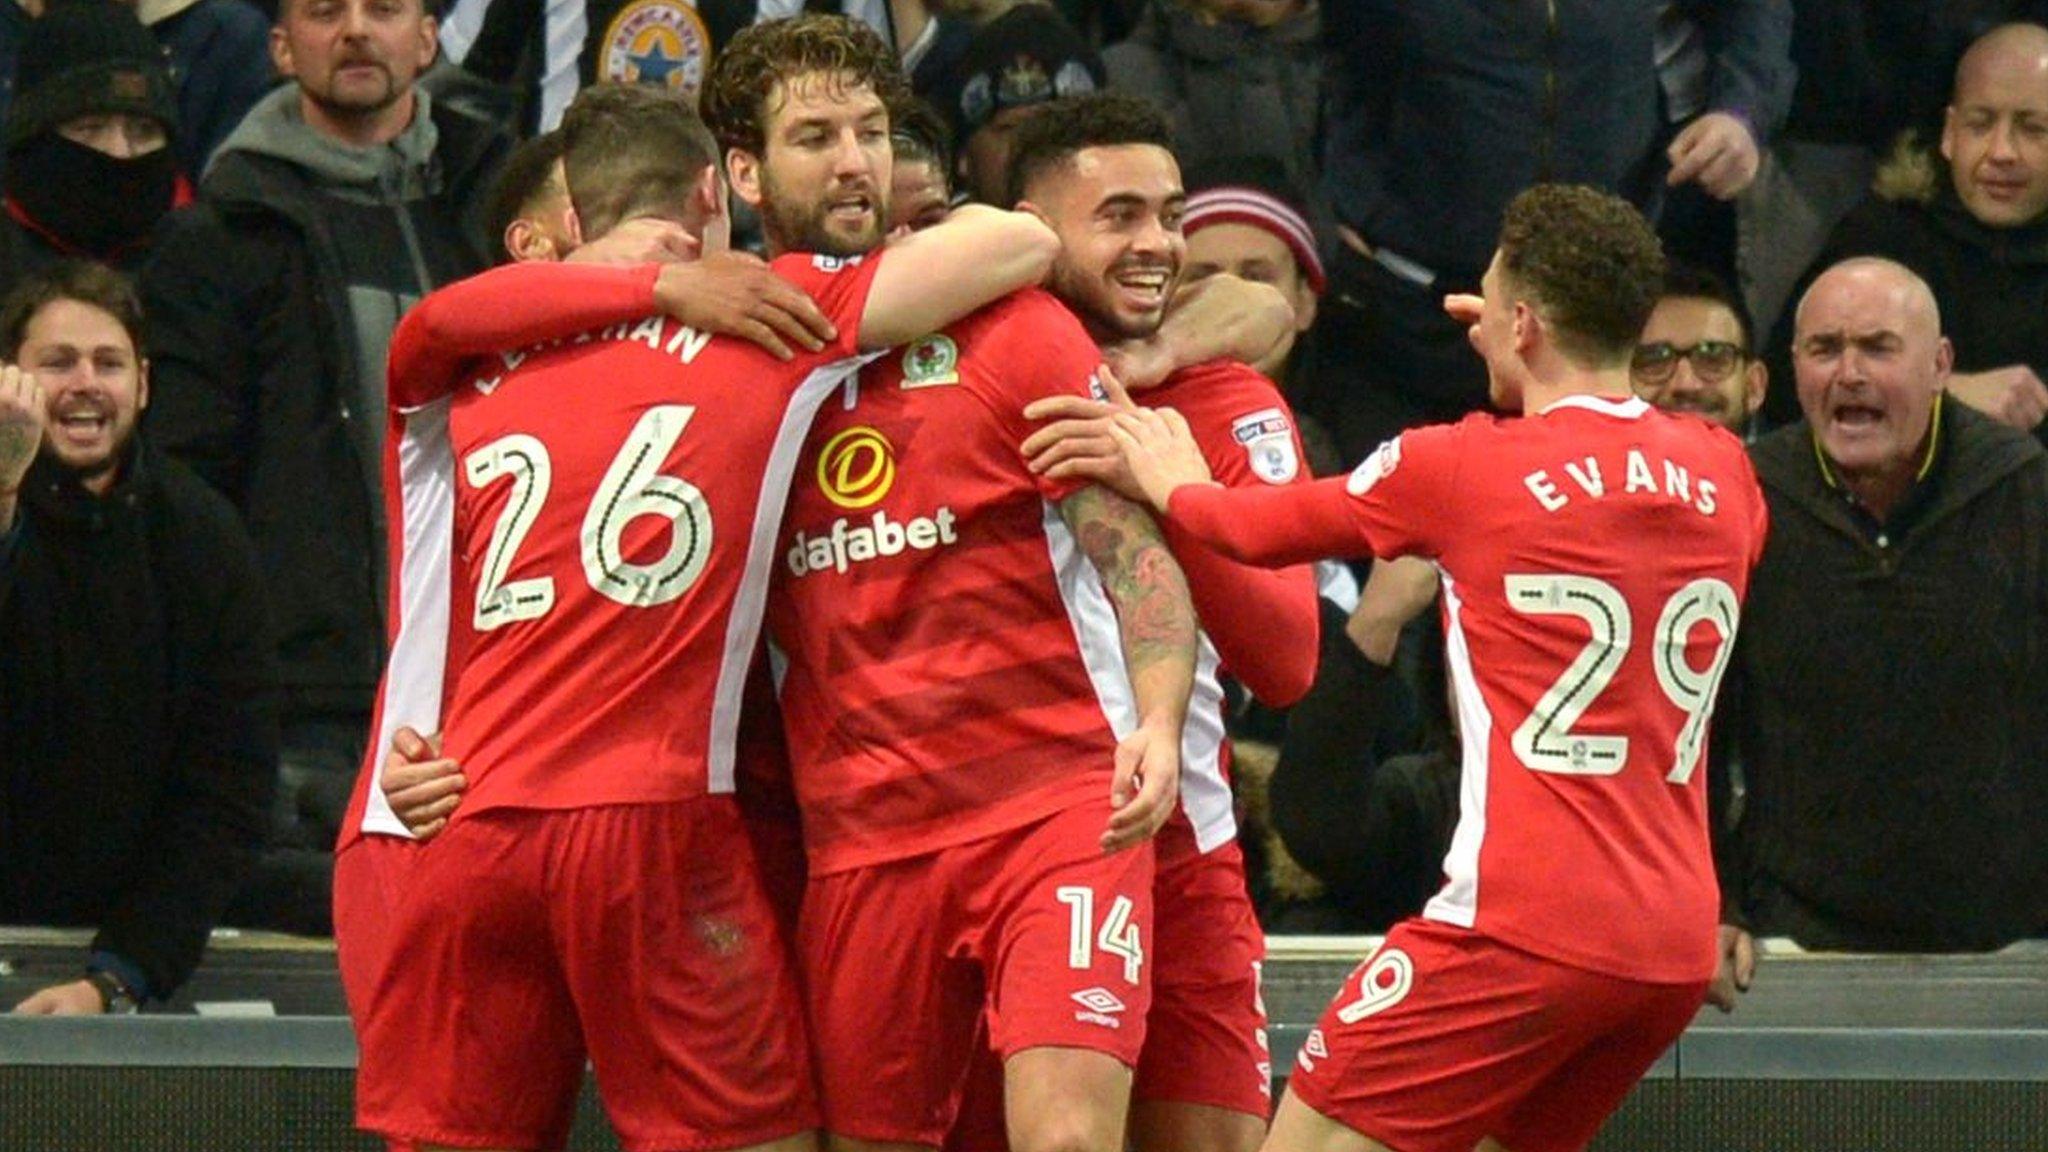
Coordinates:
<point>284,180</point>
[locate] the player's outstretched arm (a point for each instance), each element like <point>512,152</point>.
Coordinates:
<point>729,293</point>
<point>1157,623</point>
<point>1264,623</point>
<point>1221,317</point>
<point>1273,527</point>
<point>506,308</point>
<point>934,277</point>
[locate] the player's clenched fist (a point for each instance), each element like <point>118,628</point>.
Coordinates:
<point>1160,452</point>
<point>21,425</point>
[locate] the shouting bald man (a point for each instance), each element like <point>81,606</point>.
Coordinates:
<point>1889,697</point>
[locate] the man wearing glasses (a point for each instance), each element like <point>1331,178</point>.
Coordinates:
<point>1694,354</point>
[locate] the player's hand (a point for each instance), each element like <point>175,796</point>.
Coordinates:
<point>422,786</point>
<point>22,413</point>
<point>1140,364</point>
<point>642,241</point>
<point>75,998</point>
<point>1737,968</point>
<point>1396,592</point>
<point>735,294</point>
<point>1076,443</point>
<point>1159,451</point>
<point>1717,152</point>
<point>2012,395</point>
<point>1145,787</point>
<point>1464,307</point>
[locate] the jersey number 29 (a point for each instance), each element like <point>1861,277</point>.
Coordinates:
<point>1546,741</point>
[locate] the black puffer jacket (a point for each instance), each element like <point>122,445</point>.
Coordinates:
<point>270,303</point>
<point>1889,700</point>
<point>138,735</point>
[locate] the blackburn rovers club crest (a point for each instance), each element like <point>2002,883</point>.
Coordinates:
<point>1268,441</point>
<point>659,42</point>
<point>931,361</point>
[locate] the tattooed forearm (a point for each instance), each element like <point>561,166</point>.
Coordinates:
<point>1150,594</point>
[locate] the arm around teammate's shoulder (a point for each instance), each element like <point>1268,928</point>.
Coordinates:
<point>934,277</point>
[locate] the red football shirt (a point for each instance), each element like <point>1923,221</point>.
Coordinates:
<point>582,538</point>
<point>1259,624</point>
<point>1595,557</point>
<point>949,662</point>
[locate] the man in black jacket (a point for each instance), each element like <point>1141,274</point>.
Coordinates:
<point>1889,695</point>
<point>137,737</point>
<point>342,199</point>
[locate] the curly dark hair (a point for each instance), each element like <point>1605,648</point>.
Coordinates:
<point>78,280</point>
<point>744,76</point>
<point>1591,263</point>
<point>1052,134</point>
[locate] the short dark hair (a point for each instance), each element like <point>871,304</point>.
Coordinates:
<point>919,133</point>
<point>1059,129</point>
<point>1591,263</point>
<point>760,56</point>
<point>1688,281</point>
<point>631,150</point>
<point>522,181</point>
<point>80,280</point>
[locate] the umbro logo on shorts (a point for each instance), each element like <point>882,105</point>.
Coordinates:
<point>1101,1007</point>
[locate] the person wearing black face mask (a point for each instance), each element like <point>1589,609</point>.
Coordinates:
<point>88,172</point>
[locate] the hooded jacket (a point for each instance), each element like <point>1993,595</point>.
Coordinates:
<point>1991,284</point>
<point>138,738</point>
<point>1889,699</point>
<point>271,303</point>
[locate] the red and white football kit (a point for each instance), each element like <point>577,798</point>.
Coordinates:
<point>429,350</point>
<point>1594,559</point>
<point>1205,1038</point>
<point>953,685</point>
<point>588,530</point>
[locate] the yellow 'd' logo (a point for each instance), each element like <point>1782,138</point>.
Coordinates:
<point>857,467</point>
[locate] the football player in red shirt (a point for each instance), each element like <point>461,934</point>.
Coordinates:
<point>577,777</point>
<point>1099,168</point>
<point>1594,555</point>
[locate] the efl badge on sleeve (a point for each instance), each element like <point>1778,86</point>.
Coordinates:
<point>663,43</point>
<point>1268,441</point>
<point>931,361</point>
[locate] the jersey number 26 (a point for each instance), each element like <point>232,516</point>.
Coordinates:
<point>632,487</point>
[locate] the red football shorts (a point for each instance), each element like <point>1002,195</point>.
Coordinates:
<point>1205,1041</point>
<point>1444,1037</point>
<point>369,875</point>
<point>1205,1038</point>
<point>636,933</point>
<point>1036,926</point>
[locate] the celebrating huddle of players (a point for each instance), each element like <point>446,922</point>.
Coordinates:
<point>995,672</point>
